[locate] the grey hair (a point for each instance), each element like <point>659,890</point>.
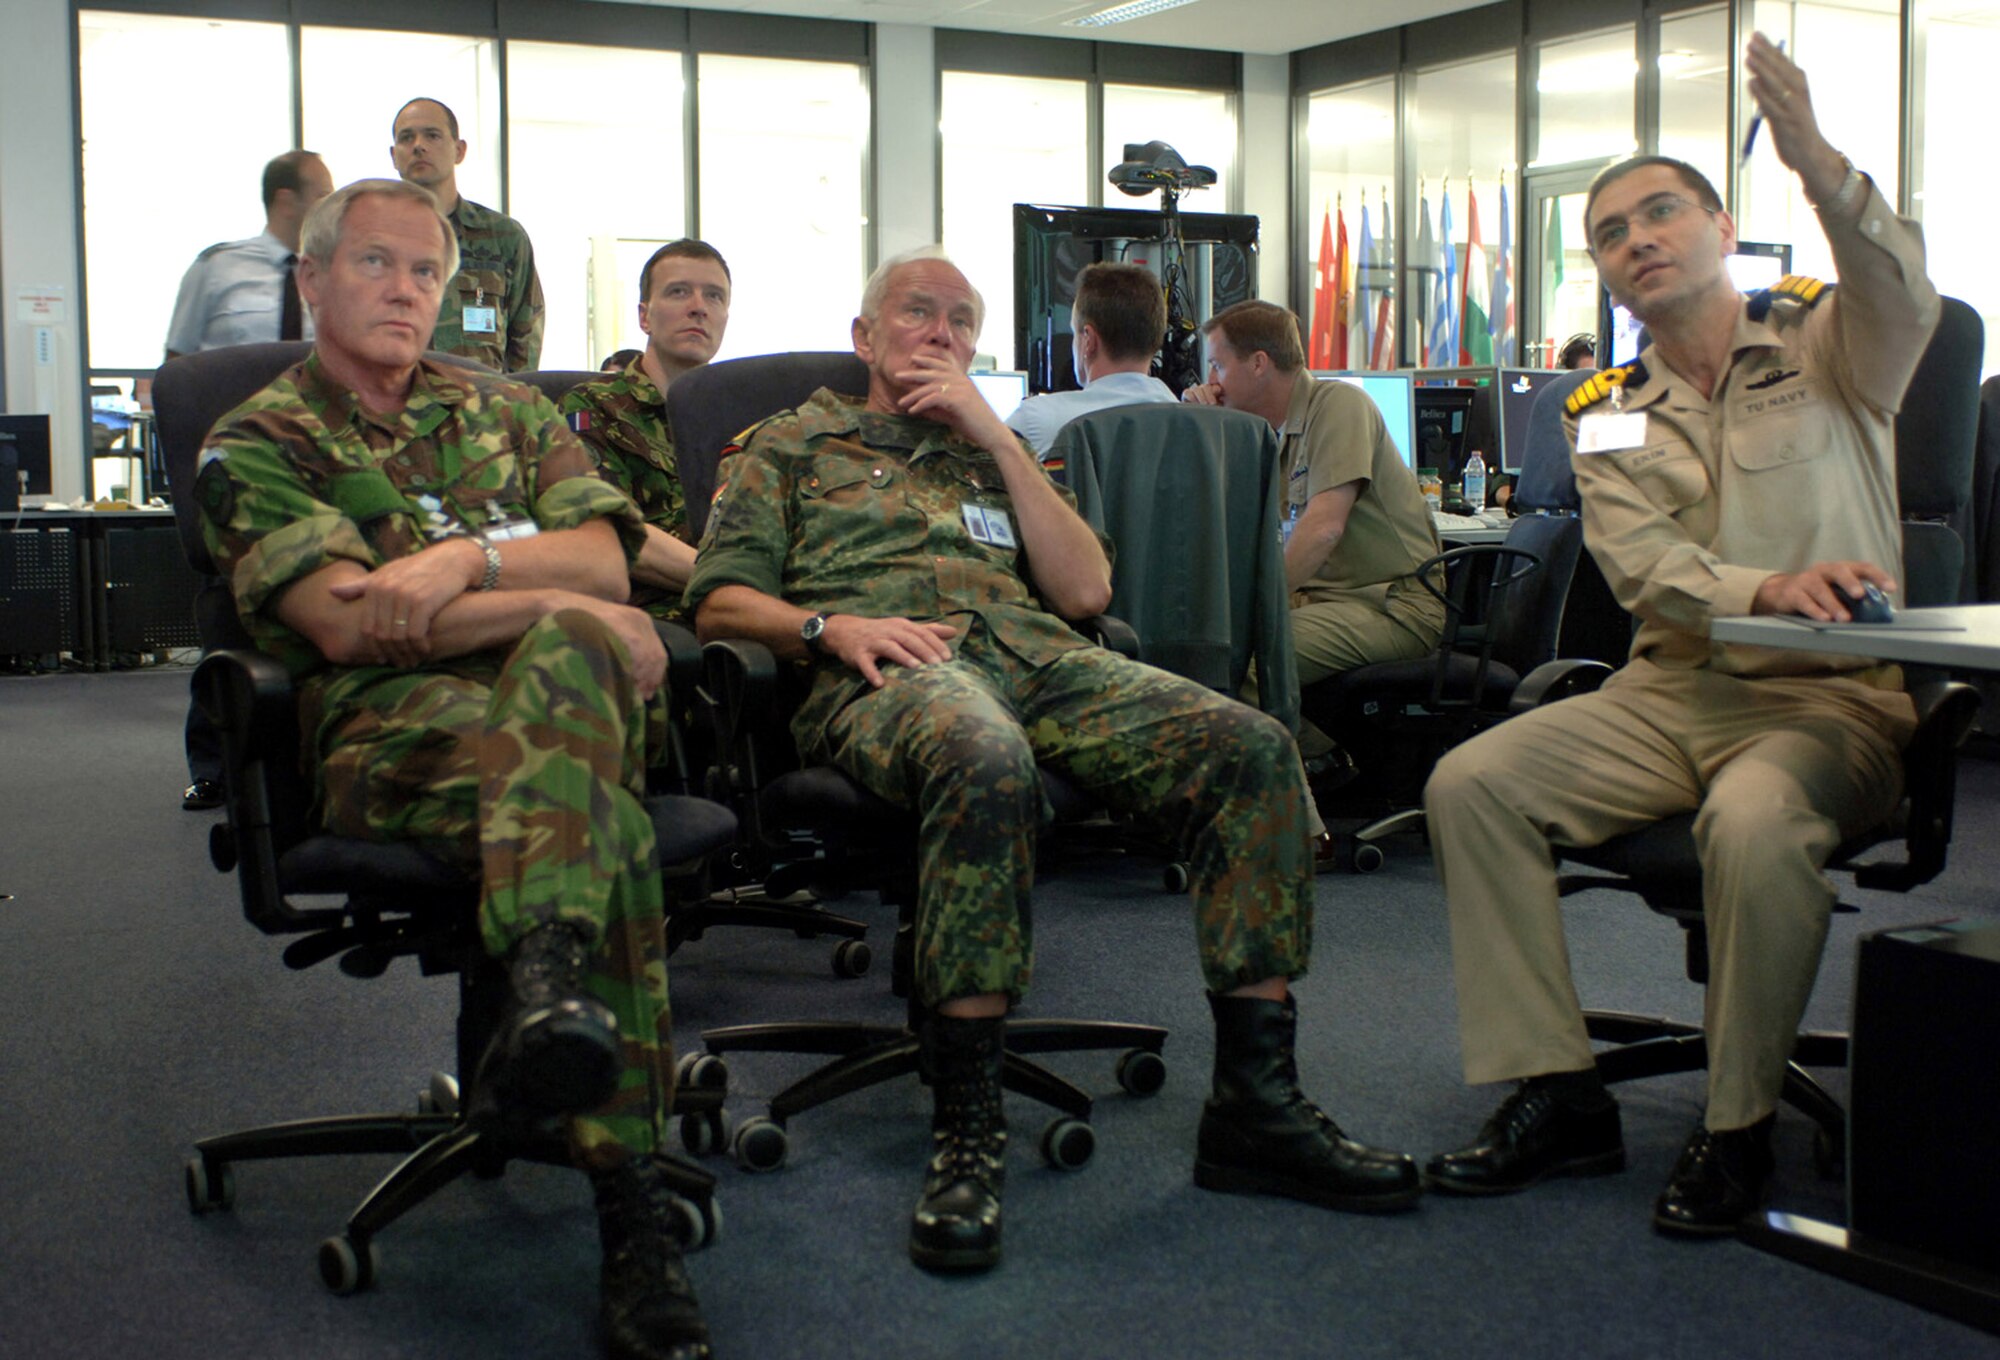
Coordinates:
<point>320,236</point>
<point>877,287</point>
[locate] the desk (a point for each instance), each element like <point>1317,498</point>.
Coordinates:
<point>98,584</point>
<point>1958,637</point>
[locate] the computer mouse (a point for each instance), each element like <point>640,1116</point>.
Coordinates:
<point>1870,606</point>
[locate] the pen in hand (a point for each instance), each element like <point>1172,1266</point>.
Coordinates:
<point>1756,121</point>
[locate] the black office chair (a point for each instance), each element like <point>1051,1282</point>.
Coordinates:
<point>1396,719</point>
<point>396,900</point>
<point>1934,441</point>
<point>1594,626</point>
<point>816,826</point>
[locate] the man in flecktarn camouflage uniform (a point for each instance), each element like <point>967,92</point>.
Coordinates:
<point>433,557</point>
<point>910,549</point>
<point>684,310</point>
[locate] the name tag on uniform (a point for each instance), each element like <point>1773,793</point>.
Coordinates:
<point>481,320</point>
<point>513,529</point>
<point>1604,431</point>
<point>988,525</point>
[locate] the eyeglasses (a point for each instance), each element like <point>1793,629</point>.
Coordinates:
<point>1658,211</point>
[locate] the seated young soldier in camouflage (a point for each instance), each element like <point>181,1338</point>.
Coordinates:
<point>431,556</point>
<point>911,550</point>
<point>684,310</point>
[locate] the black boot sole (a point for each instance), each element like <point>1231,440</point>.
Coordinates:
<point>1595,1164</point>
<point>955,1260</point>
<point>1236,1180</point>
<point>562,1062</point>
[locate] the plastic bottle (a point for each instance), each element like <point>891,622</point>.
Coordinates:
<point>1475,483</point>
<point>1432,486</point>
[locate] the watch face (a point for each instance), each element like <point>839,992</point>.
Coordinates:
<point>812,628</point>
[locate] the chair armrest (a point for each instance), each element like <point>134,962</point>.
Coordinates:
<point>1945,710</point>
<point>248,696</point>
<point>684,660</point>
<point>1112,633</point>
<point>1563,678</point>
<point>739,694</point>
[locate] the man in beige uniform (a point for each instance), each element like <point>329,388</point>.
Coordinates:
<point>1745,464</point>
<point>1356,525</point>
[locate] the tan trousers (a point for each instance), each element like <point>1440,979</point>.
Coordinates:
<point>1777,770</point>
<point>1330,636</point>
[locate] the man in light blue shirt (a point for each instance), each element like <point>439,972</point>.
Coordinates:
<point>235,293</point>
<point>1119,320</point>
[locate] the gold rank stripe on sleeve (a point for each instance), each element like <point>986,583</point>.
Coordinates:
<point>1600,385</point>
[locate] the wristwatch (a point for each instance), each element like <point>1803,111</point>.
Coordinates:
<point>810,632</point>
<point>491,577</point>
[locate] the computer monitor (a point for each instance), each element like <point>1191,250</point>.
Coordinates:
<point>24,447</point>
<point>1444,429</point>
<point>1392,394</point>
<point>1004,389</point>
<point>1755,266</point>
<point>1515,394</point>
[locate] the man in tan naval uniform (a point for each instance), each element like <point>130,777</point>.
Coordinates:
<point>1745,464</point>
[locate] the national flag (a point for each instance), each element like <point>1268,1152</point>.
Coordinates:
<point>1343,293</point>
<point>1552,273</point>
<point>1503,285</point>
<point>1361,316</point>
<point>1427,280</point>
<point>1444,338</point>
<point>1475,309</point>
<point>1382,347</point>
<point>1320,350</point>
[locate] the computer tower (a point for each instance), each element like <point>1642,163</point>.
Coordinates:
<point>1924,1113</point>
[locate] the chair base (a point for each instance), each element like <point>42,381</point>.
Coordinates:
<point>1654,1046</point>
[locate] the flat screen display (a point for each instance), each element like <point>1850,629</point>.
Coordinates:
<point>1755,266</point>
<point>1392,395</point>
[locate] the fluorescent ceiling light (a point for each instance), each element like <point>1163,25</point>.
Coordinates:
<point>1118,14</point>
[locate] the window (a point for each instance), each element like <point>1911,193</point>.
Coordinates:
<point>354,80</point>
<point>1351,159</point>
<point>782,153</point>
<point>1850,53</point>
<point>1036,153</point>
<point>599,184</point>
<point>1584,100</point>
<point>1694,92</point>
<point>1465,150</point>
<point>1200,124</point>
<point>147,215</point>
<point>1950,191</point>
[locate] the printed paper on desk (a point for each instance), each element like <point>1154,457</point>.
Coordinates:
<point>1605,431</point>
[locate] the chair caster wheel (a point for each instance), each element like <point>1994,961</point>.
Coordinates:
<point>760,1144</point>
<point>1067,1143</point>
<point>701,1069</point>
<point>700,1221</point>
<point>209,1191</point>
<point>704,1132</point>
<point>851,958</point>
<point>1141,1071</point>
<point>1175,878</point>
<point>346,1267</point>
<point>440,1097</point>
<point>1366,858</point>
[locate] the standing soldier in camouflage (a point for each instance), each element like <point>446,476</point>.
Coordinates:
<point>491,309</point>
<point>683,309</point>
<point>430,554</point>
<point>911,550</point>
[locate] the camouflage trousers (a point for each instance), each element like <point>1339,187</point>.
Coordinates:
<point>530,772</point>
<point>958,743</point>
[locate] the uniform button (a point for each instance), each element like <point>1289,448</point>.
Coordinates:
<point>1875,227</point>
<point>812,481</point>
<point>938,560</point>
<point>1787,454</point>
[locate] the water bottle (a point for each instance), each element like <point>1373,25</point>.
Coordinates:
<point>1474,490</point>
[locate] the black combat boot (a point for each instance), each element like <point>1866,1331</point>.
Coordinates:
<point>1260,1135</point>
<point>649,1309</point>
<point>956,1226</point>
<point>556,1048</point>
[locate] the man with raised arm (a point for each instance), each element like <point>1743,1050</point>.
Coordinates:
<point>1744,464</point>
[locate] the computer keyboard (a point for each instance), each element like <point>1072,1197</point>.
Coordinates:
<point>1460,522</point>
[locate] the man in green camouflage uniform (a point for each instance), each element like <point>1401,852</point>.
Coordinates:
<point>912,549</point>
<point>492,309</point>
<point>684,310</point>
<point>430,553</point>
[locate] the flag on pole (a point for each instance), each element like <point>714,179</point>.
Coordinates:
<point>1552,274</point>
<point>1320,351</point>
<point>1360,319</point>
<point>1444,346</point>
<point>1476,309</point>
<point>1343,293</point>
<point>1382,352</point>
<point>1503,285</point>
<point>1427,281</point>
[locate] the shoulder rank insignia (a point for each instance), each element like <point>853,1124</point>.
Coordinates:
<point>1798,287</point>
<point>1627,376</point>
